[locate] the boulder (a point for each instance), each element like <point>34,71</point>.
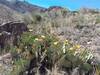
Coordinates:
<point>10,33</point>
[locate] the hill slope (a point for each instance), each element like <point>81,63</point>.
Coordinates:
<point>13,11</point>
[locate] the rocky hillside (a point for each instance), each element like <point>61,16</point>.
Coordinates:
<point>79,27</point>
<point>7,14</point>
<point>20,6</point>
<point>14,11</point>
<point>12,18</point>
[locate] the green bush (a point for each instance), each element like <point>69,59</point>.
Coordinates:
<point>59,53</point>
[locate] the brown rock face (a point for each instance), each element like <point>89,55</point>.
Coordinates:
<point>10,33</point>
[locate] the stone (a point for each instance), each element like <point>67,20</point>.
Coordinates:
<point>10,33</point>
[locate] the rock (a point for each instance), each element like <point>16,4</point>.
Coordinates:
<point>5,64</point>
<point>6,57</point>
<point>10,33</point>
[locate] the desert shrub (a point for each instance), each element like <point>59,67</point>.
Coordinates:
<point>97,19</point>
<point>64,11</point>
<point>49,50</point>
<point>19,66</point>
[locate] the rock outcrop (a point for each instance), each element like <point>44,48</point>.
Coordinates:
<point>10,33</point>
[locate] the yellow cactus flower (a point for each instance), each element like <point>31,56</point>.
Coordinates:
<point>71,48</point>
<point>55,43</point>
<point>66,40</point>
<point>36,39</point>
<point>77,46</point>
<point>42,36</point>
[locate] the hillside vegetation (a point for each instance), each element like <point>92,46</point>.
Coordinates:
<point>53,41</point>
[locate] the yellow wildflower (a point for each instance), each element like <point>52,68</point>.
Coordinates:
<point>42,36</point>
<point>55,43</point>
<point>36,39</point>
<point>77,46</point>
<point>66,41</point>
<point>71,48</point>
